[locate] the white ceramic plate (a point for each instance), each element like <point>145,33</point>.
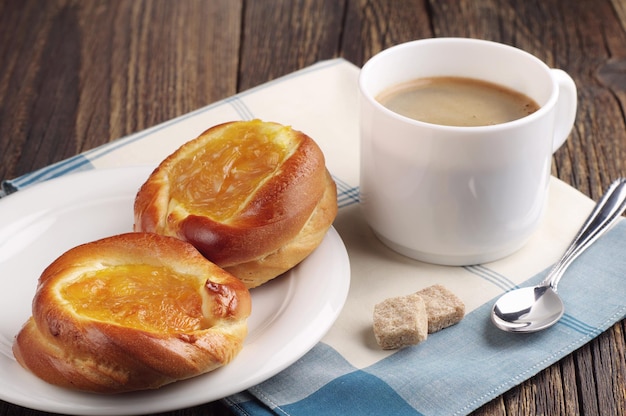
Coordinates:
<point>289,314</point>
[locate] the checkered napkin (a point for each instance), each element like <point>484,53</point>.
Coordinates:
<point>455,370</point>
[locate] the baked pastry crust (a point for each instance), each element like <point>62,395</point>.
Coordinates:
<point>277,215</point>
<point>67,347</point>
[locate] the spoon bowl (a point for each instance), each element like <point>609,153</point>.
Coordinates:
<point>532,309</point>
<point>528,309</point>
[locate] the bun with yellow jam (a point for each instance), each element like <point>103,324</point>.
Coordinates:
<point>253,197</point>
<point>132,312</point>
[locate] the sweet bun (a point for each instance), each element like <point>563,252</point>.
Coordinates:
<point>132,312</point>
<point>253,197</point>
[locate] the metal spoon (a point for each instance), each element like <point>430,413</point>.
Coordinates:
<point>532,309</point>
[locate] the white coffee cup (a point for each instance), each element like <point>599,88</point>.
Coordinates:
<point>459,195</point>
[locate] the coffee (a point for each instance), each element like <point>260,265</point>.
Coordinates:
<point>457,101</point>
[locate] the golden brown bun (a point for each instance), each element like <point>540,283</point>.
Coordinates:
<point>131,312</point>
<point>253,197</point>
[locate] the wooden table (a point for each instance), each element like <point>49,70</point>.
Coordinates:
<point>77,74</point>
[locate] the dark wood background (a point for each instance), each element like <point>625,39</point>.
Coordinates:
<point>77,74</point>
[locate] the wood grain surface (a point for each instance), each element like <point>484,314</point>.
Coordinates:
<point>77,74</point>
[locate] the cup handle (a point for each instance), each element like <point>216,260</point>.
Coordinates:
<point>565,107</point>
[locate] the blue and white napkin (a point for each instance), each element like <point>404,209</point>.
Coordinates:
<point>456,370</point>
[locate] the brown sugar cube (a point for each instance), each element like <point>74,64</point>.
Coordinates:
<point>443,307</point>
<point>400,321</point>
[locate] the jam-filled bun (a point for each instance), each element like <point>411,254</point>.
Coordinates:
<point>132,312</point>
<point>253,197</point>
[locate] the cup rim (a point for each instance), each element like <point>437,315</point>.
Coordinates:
<point>547,106</point>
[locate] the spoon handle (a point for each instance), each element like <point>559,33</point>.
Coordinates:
<point>606,212</point>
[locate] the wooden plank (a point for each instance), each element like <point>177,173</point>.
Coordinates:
<point>157,60</point>
<point>371,26</point>
<point>281,36</point>
<point>91,72</point>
